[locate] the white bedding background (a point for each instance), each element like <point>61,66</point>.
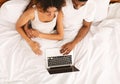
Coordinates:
<point>99,65</point>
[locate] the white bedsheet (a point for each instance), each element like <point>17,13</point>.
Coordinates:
<point>100,64</point>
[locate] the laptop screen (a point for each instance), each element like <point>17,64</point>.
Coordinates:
<point>58,61</point>
<point>55,59</point>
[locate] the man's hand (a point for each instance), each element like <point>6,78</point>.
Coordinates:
<point>32,33</point>
<point>66,48</point>
<point>28,32</point>
<point>35,33</point>
<point>35,47</point>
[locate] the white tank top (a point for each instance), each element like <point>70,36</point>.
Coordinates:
<point>44,27</point>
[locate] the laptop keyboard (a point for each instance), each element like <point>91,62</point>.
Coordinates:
<point>59,60</point>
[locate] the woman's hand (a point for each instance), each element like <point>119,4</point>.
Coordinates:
<point>67,48</point>
<point>35,47</point>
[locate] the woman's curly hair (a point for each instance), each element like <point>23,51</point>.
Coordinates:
<point>45,4</point>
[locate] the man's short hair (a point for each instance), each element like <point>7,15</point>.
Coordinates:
<point>82,0</point>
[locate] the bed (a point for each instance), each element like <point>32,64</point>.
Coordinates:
<point>99,65</point>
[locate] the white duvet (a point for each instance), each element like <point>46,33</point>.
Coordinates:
<point>99,65</point>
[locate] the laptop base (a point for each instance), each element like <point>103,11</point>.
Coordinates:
<point>63,69</point>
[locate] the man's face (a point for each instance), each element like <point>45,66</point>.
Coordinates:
<point>77,4</point>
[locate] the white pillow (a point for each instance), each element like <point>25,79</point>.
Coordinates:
<point>101,9</point>
<point>11,10</point>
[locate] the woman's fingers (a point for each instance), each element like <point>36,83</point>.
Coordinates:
<point>37,51</point>
<point>35,47</point>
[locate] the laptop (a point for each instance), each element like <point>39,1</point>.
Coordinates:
<point>59,63</point>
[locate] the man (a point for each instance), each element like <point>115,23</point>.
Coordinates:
<point>84,16</point>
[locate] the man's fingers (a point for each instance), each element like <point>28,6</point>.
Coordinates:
<point>65,51</point>
<point>29,34</point>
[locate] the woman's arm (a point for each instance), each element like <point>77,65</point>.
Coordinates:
<point>53,36</point>
<point>27,16</point>
<point>28,29</point>
<point>22,21</point>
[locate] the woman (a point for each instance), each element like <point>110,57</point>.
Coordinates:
<point>43,16</point>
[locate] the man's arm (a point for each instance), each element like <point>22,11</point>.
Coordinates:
<point>82,32</point>
<point>66,49</point>
<point>2,2</point>
<point>114,1</point>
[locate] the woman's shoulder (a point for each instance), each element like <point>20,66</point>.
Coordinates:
<point>29,13</point>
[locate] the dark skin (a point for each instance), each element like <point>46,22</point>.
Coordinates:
<point>77,4</point>
<point>114,1</point>
<point>66,48</point>
<point>2,2</point>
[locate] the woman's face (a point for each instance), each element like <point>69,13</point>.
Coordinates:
<point>77,4</point>
<point>51,11</point>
